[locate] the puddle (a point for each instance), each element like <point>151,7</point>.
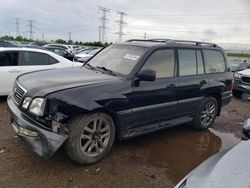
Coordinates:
<point>178,150</point>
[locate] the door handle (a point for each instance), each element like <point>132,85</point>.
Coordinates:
<point>203,82</point>
<point>170,86</point>
<point>14,71</point>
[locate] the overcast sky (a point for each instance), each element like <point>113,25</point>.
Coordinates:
<point>208,20</point>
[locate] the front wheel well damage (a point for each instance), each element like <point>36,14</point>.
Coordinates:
<point>100,110</point>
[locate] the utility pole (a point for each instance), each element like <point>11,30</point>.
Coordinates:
<point>121,24</point>
<point>103,20</point>
<point>145,36</point>
<point>17,26</point>
<point>31,25</point>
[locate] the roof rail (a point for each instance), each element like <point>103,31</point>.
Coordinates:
<point>197,43</point>
<point>148,40</point>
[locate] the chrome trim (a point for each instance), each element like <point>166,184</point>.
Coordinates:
<point>243,81</point>
<point>16,84</point>
<point>160,105</point>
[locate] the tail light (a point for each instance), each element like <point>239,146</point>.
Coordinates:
<point>232,84</point>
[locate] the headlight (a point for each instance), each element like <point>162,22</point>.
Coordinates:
<point>237,76</point>
<point>26,102</point>
<point>37,106</point>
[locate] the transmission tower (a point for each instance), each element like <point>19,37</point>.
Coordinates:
<point>31,25</point>
<point>121,24</point>
<point>17,26</point>
<point>99,33</point>
<point>103,20</point>
<point>69,36</point>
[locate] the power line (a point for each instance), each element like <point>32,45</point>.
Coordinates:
<point>121,24</point>
<point>103,20</point>
<point>31,25</point>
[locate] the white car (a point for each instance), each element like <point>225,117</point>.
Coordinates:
<point>83,57</point>
<point>15,61</point>
<point>68,48</point>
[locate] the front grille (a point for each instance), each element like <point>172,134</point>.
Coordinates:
<point>246,79</point>
<point>18,93</point>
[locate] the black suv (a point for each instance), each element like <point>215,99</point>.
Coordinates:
<point>127,89</point>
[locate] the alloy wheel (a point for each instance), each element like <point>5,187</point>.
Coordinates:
<point>95,137</point>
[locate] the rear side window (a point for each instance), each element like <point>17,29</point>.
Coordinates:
<point>9,59</point>
<point>35,58</point>
<point>162,62</point>
<point>190,62</point>
<point>214,61</point>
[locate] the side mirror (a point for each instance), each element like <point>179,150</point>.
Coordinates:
<point>147,75</point>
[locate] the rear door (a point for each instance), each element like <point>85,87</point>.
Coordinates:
<point>33,61</point>
<point>192,81</point>
<point>9,70</point>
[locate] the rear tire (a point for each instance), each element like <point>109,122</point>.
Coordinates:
<point>206,114</point>
<point>91,138</point>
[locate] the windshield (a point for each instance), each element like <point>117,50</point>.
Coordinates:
<point>118,58</point>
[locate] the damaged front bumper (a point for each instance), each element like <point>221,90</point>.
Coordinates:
<point>37,137</point>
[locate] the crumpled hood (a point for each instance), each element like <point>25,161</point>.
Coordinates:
<point>41,83</point>
<point>225,169</point>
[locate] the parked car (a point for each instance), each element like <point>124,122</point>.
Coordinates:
<point>83,57</point>
<point>68,48</point>
<point>239,65</point>
<point>228,168</point>
<point>16,61</point>
<point>126,90</point>
<point>61,52</point>
<point>4,43</point>
<point>241,82</point>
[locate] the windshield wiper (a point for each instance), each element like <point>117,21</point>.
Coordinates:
<point>106,70</point>
<point>90,66</point>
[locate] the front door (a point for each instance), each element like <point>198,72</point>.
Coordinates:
<point>155,101</point>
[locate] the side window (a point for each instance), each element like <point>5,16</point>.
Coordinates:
<point>162,62</point>
<point>9,58</point>
<point>187,62</point>
<point>52,60</point>
<point>35,58</point>
<point>200,65</point>
<point>214,61</point>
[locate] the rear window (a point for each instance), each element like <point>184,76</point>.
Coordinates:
<point>9,59</point>
<point>214,61</point>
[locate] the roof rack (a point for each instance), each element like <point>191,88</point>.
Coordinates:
<point>197,43</point>
<point>148,40</point>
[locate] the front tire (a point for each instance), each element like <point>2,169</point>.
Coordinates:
<point>91,138</point>
<point>206,114</point>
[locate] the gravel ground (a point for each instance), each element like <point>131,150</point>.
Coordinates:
<point>157,160</point>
